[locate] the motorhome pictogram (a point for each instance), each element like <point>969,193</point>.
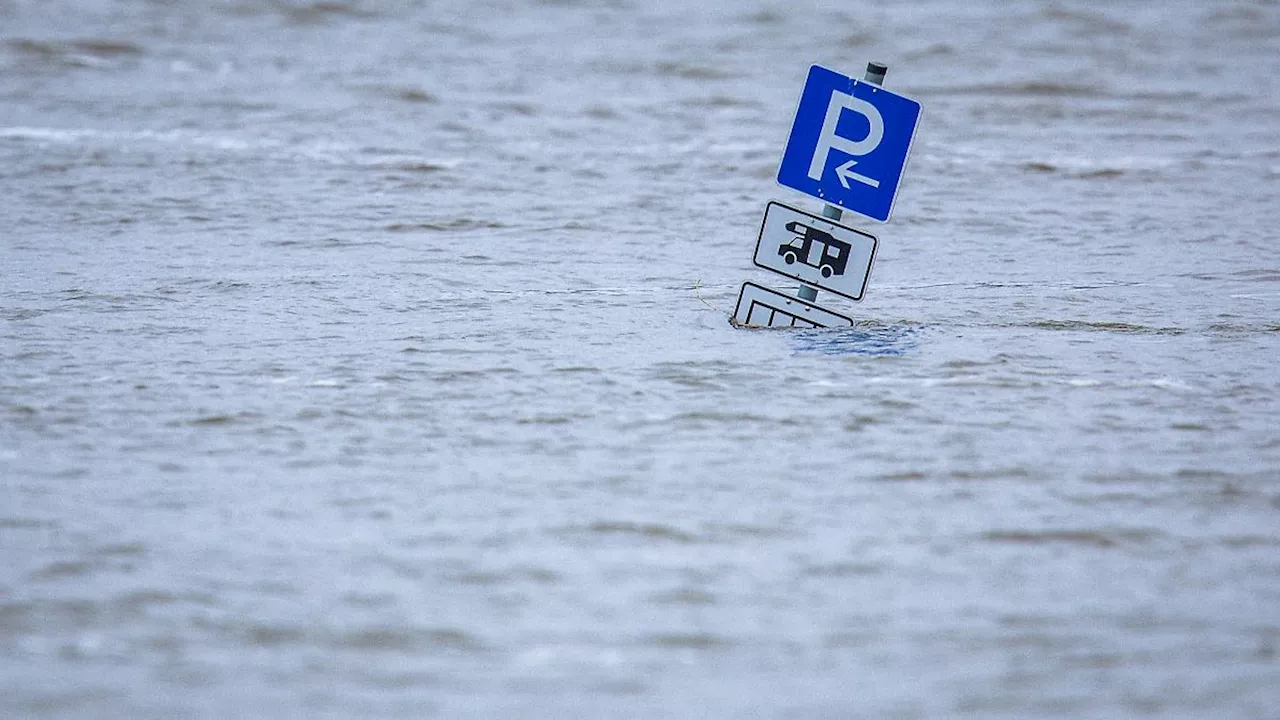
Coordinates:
<point>833,255</point>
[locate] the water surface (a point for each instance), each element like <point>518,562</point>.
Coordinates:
<point>373,359</point>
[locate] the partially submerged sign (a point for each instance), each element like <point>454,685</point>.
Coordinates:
<point>848,147</point>
<point>849,143</point>
<point>759,306</point>
<point>815,250</point>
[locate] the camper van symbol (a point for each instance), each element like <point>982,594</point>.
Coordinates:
<point>833,254</point>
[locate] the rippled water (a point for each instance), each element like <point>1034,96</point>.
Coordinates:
<point>373,359</point>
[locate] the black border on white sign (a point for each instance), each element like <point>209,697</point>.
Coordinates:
<point>801,314</point>
<point>875,246</point>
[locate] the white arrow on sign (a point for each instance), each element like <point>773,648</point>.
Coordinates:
<point>828,139</point>
<point>845,173</point>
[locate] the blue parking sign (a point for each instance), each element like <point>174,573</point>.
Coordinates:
<point>849,143</point>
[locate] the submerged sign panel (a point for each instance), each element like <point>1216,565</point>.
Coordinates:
<point>849,143</point>
<point>815,250</point>
<point>759,306</point>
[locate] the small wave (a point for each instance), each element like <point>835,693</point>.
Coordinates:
<point>1088,23</point>
<point>728,418</point>
<point>1088,383</point>
<point>864,38</point>
<point>44,134</point>
<point>1095,167</point>
<point>1244,22</point>
<point>935,50</point>
<point>407,639</point>
<point>415,95</point>
<point>689,641</point>
<point>1244,328</point>
<point>1094,538</point>
<point>1028,88</point>
<point>746,530</point>
<point>24,523</point>
<point>64,569</point>
<point>546,420</point>
<point>578,369</point>
<point>507,109</point>
<point>691,72</point>
<point>455,225</point>
<point>387,638</point>
<point>766,17</point>
<point>420,166</point>
<point>316,13</point>
<point>107,557</point>
<point>601,112</point>
<point>1097,326</point>
<point>724,101</point>
<point>1045,167</point>
<point>684,596</point>
<point>533,575</point>
<point>694,374</point>
<point>88,52</point>
<point>406,93</point>
<point>1258,275</point>
<point>646,530</point>
<point>843,569</point>
<point>906,476</point>
<point>224,419</point>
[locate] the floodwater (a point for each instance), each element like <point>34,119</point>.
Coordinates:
<point>372,358</point>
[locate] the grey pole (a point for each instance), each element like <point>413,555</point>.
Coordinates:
<point>874,75</point>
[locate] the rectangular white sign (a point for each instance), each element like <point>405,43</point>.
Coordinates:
<point>815,250</point>
<point>759,306</point>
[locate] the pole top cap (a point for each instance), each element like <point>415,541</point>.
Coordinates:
<point>875,73</point>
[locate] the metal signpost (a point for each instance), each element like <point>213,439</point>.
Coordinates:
<point>848,147</point>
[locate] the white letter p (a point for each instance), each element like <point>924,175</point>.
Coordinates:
<point>828,138</point>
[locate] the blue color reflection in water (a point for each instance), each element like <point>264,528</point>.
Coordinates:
<point>864,340</point>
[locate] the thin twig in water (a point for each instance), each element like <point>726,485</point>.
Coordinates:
<point>697,286</point>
